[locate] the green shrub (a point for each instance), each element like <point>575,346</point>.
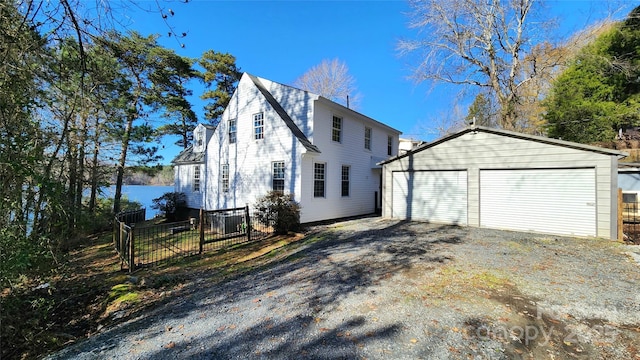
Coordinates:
<point>102,217</point>
<point>279,210</point>
<point>20,255</point>
<point>171,205</point>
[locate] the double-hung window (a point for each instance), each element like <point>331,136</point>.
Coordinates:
<point>258,126</point>
<point>232,131</point>
<point>278,176</point>
<point>225,177</point>
<point>318,179</point>
<point>367,138</point>
<point>389,144</point>
<point>345,180</point>
<point>336,129</point>
<point>196,178</point>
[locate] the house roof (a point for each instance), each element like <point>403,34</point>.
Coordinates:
<point>284,115</point>
<point>628,167</point>
<point>512,134</point>
<point>344,108</point>
<point>188,156</point>
<point>335,104</point>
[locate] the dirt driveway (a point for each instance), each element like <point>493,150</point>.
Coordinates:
<point>381,289</point>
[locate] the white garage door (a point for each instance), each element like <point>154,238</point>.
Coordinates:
<point>437,196</point>
<point>557,201</point>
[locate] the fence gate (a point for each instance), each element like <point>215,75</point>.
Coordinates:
<point>123,242</point>
<point>628,217</point>
<point>123,236</point>
<point>145,245</point>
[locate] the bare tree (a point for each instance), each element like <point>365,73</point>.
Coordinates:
<point>477,43</point>
<point>332,80</point>
<point>502,48</point>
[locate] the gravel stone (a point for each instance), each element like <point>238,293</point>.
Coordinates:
<point>378,289</point>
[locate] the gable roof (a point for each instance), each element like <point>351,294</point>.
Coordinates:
<point>284,115</point>
<point>512,134</point>
<point>188,156</point>
<point>343,108</point>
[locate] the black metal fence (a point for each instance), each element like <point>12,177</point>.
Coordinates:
<point>631,221</point>
<point>132,216</point>
<point>141,246</point>
<point>159,242</point>
<point>123,242</point>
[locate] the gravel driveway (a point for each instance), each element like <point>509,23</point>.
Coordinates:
<point>381,289</point>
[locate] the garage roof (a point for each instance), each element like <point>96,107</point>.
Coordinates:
<point>512,134</point>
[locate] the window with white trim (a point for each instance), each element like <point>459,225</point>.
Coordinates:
<point>232,131</point>
<point>336,129</point>
<point>389,145</point>
<point>225,177</point>
<point>367,138</point>
<point>318,179</point>
<point>278,176</point>
<point>258,126</point>
<point>345,180</point>
<point>196,178</point>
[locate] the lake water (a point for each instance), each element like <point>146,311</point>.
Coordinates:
<point>144,194</point>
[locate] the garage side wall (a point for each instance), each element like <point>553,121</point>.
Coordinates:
<point>478,151</point>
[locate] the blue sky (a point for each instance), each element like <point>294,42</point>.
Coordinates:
<point>280,40</point>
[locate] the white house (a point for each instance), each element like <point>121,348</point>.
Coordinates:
<point>406,145</point>
<point>276,137</point>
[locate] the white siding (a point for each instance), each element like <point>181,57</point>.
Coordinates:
<point>183,175</point>
<point>250,161</point>
<point>476,151</point>
<point>364,177</point>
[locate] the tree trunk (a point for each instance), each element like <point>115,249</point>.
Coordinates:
<point>122,162</point>
<point>94,177</point>
<point>81,168</point>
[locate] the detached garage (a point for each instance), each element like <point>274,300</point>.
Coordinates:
<point>505,180</point>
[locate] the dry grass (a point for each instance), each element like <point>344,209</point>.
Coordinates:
<point>91,291</point>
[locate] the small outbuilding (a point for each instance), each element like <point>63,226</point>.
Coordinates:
<point>506,180</point>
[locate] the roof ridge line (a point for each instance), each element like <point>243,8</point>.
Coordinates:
<point>283,115</point>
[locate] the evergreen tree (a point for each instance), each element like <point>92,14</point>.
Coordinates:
<point>600,91</point>
<point>220,76</point>
<point>151,81</point>
<point>481,112</point>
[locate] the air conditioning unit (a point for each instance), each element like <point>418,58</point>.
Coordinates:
<point>227,223</point>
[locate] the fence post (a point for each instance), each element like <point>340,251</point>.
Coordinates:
<point>248,222</point>
<point>201,230</point>
<point>132,258</point>
<point>120,239</point>
<point>620,216</point>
